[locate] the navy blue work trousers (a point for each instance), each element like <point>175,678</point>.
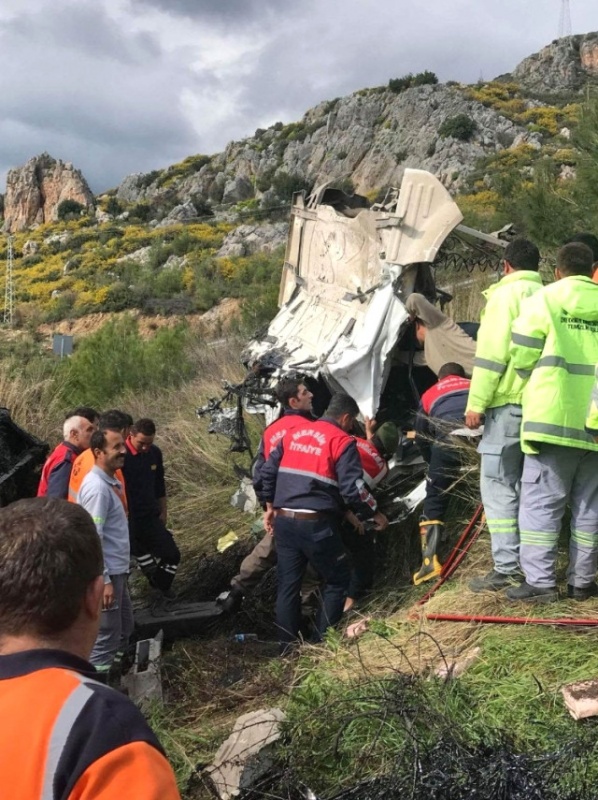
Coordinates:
<point>317,542</point>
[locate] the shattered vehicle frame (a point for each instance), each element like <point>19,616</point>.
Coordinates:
<point>342,322</point>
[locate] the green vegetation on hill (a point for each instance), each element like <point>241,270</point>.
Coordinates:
<point>77,267</point>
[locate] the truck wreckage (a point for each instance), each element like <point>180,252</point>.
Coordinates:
<point>343,326</point>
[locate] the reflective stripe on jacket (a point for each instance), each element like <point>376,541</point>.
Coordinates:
<point>271,437</point>
<point>317,467</point>
<point>592,420</point>
<point>445,401</point>
<point>494,381</point>
<point>79,740</point>
<point>374,466</point>
<point>555,349</point>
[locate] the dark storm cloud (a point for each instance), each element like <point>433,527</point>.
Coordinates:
<point>228,12</point>
<point>120,86</point>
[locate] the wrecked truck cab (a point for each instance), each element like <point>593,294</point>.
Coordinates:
<point>347,272</point>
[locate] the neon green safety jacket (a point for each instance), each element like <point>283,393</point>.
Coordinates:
<point>494,382</point>
<point>592,420</point>
<point>555,349</point>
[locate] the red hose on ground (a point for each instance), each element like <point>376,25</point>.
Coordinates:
<point>458,553</point>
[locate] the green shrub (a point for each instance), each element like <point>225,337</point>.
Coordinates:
<point>69,209</point>
<point>116,359</point>
<point>423,78</point>
<point>398,85</point>
<point>460,127</point>
<point>285,184</point>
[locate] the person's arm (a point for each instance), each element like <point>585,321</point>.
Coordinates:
<point>257,468</point>
<point>353,489</point>
<point>421,308</point>
<point>529,335</point>
<point>269,474</point>
<point>592,419</point>
<point>96,503</point>
<point>160,487</point>
<point>58,481</point>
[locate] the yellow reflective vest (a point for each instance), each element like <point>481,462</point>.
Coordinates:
<point>555,350</point>
<point>592,420</point>
<point>494,382</point>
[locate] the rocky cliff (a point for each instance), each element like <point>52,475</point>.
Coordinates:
<point>565,65</point>
<point>34,191</point>
<point>369,137</point>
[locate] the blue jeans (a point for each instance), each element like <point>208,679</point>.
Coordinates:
<point>317,542</point>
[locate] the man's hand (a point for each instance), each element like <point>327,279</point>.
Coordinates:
<point>269,519</point>
<point>370,427</point>
<point>108,598</point>
<point>355,522</point>
<point>380,521</point>
<point>473,419</point>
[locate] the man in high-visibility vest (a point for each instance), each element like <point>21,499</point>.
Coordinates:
<point>555,349</point>
<point>65,736</point>
<point>495,399</point>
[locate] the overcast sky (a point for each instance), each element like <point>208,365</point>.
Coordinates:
<point>122,86</point>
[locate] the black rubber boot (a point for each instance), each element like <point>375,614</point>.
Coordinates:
<point>431,533</point>
<point>233,602</point>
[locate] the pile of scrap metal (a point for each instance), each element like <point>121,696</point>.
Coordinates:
<point>342,323</point>
<point>21,458</point>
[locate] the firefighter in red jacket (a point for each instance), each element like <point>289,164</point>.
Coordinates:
<point>296,401</point>
<point>312,476</point>
<point>56,473</point>
<point>439,418</point>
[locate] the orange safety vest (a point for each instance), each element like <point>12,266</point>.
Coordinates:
<point>82,465</point>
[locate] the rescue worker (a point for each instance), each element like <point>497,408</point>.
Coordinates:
<point>592,242</point>
<point>592,419</point>
<point>555,348</point>
<point>296,401</point>
<point>113,420</point>
<point>100,495</point>
<point>442,339</point>
<point>151,542</point>
<point>438,419</point>
<point>56,472</point>
<point>65,736</point>
<point>374,452</point>
<point>309,480</point>
<point>495,399</point>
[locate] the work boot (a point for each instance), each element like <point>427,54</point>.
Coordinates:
<point>582,592</point>
<point>431,533</point>
<point>495,581</point>
<point>533,594</point>
<point>233,602</point>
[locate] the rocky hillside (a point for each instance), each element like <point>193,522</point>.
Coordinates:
<point>35,191</point>
<point>565,65</point>
<point>370,137</point>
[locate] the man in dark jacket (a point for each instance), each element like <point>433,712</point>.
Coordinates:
<point>311,478</point>
<point>439,418</point>
<point>151,542</point>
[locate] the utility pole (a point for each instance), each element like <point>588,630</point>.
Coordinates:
<point>565,20</point>
<point>9,289</point>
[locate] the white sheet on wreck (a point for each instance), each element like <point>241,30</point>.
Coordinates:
<point>344,282</point>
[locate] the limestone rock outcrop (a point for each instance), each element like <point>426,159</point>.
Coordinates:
<point>565,65</point>
<point>34,191</point>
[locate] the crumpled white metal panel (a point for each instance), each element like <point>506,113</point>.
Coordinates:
<point>339,314</point>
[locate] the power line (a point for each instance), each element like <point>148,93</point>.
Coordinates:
<point>565,20</point>
<point>9,289</point>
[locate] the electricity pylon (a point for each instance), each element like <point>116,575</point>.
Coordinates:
<point>9,289</point>
<point>565,20</point>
